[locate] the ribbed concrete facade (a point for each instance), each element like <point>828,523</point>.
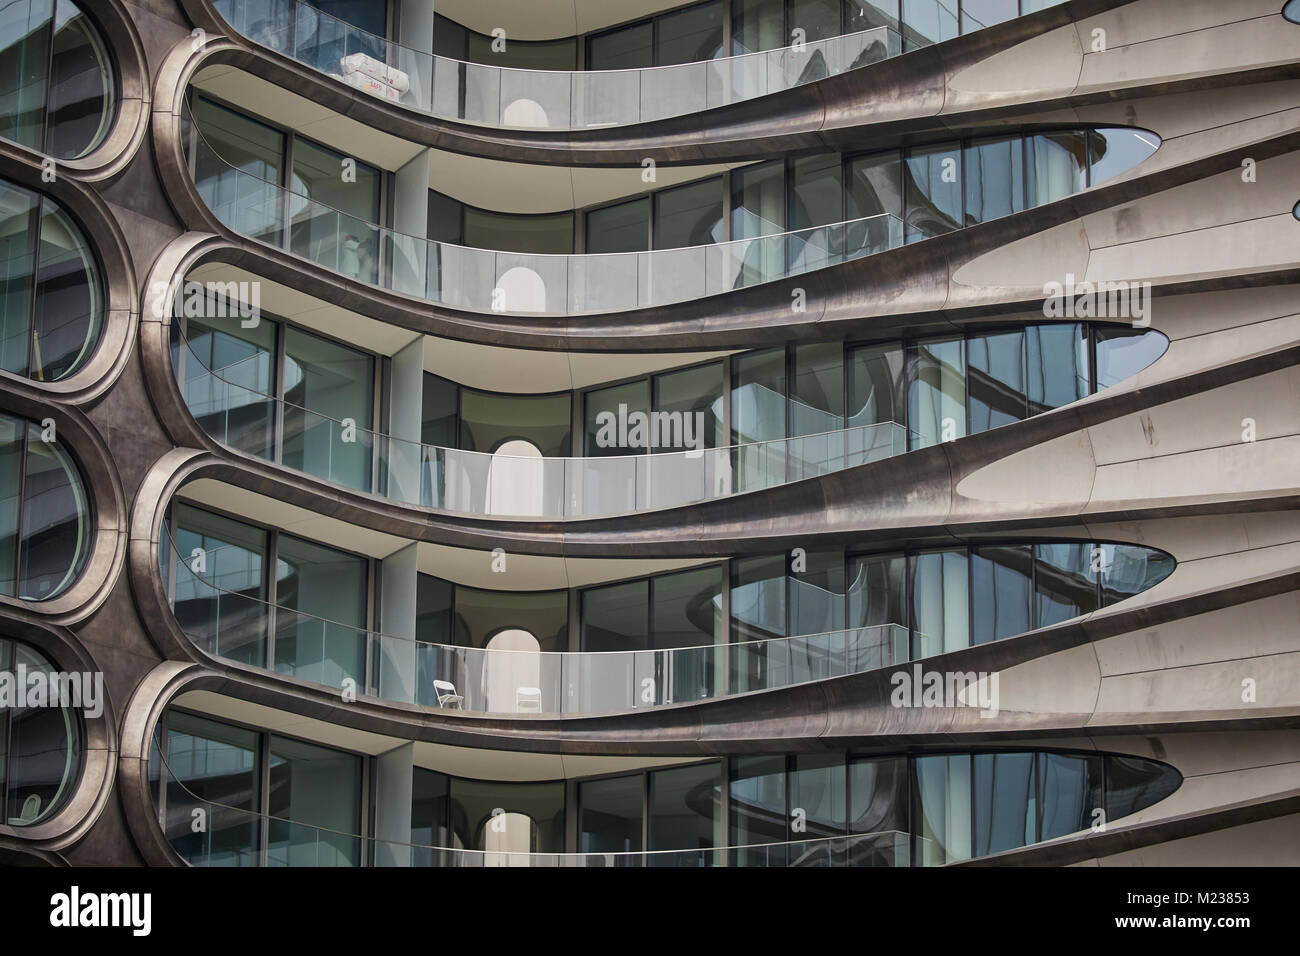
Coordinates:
<point>1196,456</point>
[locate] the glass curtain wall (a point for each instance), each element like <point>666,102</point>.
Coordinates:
<point>308,813</point>
<point>235,377</point>
<point>687,35</point>
<point>222,593</point>
<point>673,611</point>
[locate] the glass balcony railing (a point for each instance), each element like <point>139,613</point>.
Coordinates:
<point>486,280</point>
<point>479,483</point>
<point>231,624</point>
<point>233,836</point>
<point>549,99</point>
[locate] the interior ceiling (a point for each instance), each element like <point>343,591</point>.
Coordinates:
<point>549,19</point>
<point>486,183</point>
<point>458,761</point>
<point>461,565</point>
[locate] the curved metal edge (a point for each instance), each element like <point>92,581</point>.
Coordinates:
<point>907,498</point>
<point>117,274</point>
<point>904,290</point>
<point>96,777</point>
<point>902,93</point>
<point>823,716</point>
<point>141,716</point>
<point>1095,847</point>
<point>110,158</point>
<point>103,489</point>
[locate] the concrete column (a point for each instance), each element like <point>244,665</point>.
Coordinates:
<point>393,785</point>
<point>410,253</point>
<point>397,649</point>
<point>405,411</point>
<point>415,33</point>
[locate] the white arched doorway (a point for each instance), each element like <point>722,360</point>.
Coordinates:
<point>515,480</point>
<point>512,679</point>
<point>524,112</point>
<point>508,840</point>
<point>521,290</point>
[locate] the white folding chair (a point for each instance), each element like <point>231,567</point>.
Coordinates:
<point>528,700</point>
<point>447,696</point>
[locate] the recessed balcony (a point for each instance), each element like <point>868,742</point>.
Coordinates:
<point>506,98</point>
<point>799,810</point>
<point>758,623</point>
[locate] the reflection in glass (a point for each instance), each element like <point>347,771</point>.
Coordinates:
<point>215,763</point>
<point>56,80</point>
<point>624,227</point>
<point>314,804</point>
<point>689,215</point>
<point>1065,586</point>
<point>942,815</point>
<point>507,818</point>
<point>1123,352</point>
<point>1058,165</point>
<point>326,643</point>
<point>610,814</point>
<point>933,190</point>
<point>50,303</point>
<point>1115,151</point>
<point>936,392</point>
<point>1006,802</point>
<point>1000,592</point>
<point>940,602</point>
<point>44,515</point>
<point>220,607</point>
<point>1069,793</point>
<point>996,371</point>
<point>685,812</point>
<point>758,811</point>
<point>329,397</point>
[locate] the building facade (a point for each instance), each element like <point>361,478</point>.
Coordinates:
<point>733,433</point>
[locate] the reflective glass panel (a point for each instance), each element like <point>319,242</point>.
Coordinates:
<point>936,393</point>
<point>609,814</point>
<point>690,35</point>
<point>1070,793</point>
<point>696,394</point>
<point>326,643</point>
<point>1006,802</point>
<point>1123,352</point>
<point>219,584</point>
<point>942,818</point>
<point>505,819</point>
<point>1058,365</point>
<point>996,372</point>
<point>212,765</point>
<point>685,812</point>
<point>80,86</point>
<point>329,397</point>
<point>1116,151</point>
<point>1000,586</point>
<point>689,215</point>
<point>610,427</point>
<point>624,227</point>
<point>940,602</point>
<point>319,790</point>
<point>933,190</point>
<point>1065,585</point>
<point>995,178</point>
